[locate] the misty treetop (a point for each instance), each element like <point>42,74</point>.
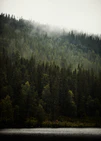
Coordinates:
<point>48,76</point>
<point>49,45</point>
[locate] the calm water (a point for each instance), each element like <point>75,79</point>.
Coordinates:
<point>92,133</point>
<point>55,131</point>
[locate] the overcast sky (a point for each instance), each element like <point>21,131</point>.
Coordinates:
<point>81,15</point>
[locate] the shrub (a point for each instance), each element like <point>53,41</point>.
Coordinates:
<point>31,122</point>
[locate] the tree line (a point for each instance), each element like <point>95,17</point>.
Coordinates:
<point>45,91</point>
<point>47,76</point>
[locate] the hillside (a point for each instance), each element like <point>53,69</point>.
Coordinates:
<point>48,77</point>
<point>46,44</point>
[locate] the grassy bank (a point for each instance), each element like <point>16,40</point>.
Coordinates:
<point>83,122</point>
<point>69,122</point>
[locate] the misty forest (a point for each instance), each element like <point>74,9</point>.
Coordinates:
<point>48,77</point>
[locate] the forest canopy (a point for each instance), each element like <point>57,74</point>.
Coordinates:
<point>48,77</point>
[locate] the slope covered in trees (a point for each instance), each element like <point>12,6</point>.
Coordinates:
<point>46,44</point>
<point>48,78</point>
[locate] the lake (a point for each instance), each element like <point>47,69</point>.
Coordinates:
<point>51,133</point>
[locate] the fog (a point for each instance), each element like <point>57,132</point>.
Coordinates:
<point>81,15</point>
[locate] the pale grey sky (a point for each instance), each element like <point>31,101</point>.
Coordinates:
<point>81,15</point>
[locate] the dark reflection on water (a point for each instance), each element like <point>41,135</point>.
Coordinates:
<point>52,133</point>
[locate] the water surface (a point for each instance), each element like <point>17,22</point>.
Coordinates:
<point>51,133</point>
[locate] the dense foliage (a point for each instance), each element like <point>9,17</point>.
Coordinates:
<point>48,76</point>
